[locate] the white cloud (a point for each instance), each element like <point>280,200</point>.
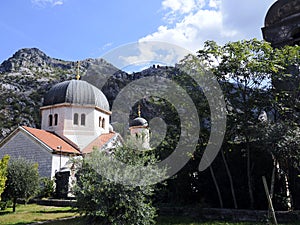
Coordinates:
<point>107,45</point>
<point>137,55</point>
<point>58,3</point>
<point>45,3</point>
<point>189,23</point>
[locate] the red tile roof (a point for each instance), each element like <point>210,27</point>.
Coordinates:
<point>99,142</point>
<point>52,140</point>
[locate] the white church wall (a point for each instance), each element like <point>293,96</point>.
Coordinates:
<point>80,134</point>
<point>58,162</point>
<point>101,127</point>
<point>141,135</point>
<point>20,145</point>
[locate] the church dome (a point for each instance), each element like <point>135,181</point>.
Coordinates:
<point>139,121</point>
<point>76,92</point>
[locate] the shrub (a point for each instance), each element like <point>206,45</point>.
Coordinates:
<point>46,188</point>
<point>22,180</point>
<point>107,201</point>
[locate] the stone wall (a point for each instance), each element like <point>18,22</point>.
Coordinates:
<point>20,145</point>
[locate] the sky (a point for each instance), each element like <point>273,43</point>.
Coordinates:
<point>80,29</point>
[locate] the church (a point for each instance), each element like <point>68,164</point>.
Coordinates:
<point>75,120</point>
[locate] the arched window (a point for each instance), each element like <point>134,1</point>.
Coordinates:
<point>82,120</point>
<point>75,119</point>
<point>50,120</point>
<point>55,119</point>
<point>100,121</point>
<point>296,36</point>
<point>103,123</point>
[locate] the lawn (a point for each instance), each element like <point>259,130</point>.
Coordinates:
<point>35,213</point>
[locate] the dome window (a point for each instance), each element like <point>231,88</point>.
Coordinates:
<point>103,123</point>
<point>75,119</point>
<point>55,119</point>
<point>100,121</point>
<point>82,120</point>
<point>50,120</point>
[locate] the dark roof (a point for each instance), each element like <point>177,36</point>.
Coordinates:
<point>139,121</point>
<point>76,92</point>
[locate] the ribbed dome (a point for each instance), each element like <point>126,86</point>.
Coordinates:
<point>139,121</point>
<point>76,92</point>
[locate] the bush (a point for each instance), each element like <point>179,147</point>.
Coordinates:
<point>46,188</point>
<point>109,202</point>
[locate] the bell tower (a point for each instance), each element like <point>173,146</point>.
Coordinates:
<point>282,23</point>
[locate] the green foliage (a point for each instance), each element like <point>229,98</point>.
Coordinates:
<point>22,180</point>
<point>3,173</point>
<point>46,188</point>
<point>286,81</point>
<point>108,201</point>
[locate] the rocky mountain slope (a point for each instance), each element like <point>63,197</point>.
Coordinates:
<point>29,73</point>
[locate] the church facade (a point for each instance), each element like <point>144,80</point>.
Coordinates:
<point>74,121</point>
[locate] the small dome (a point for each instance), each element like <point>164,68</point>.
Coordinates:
<point>76,92</point>
<point>139,121</point>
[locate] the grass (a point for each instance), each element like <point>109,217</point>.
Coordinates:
<point>31,213</point>
<point>34,213</point>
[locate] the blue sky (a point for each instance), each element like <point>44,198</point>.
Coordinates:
<point>80,29</point>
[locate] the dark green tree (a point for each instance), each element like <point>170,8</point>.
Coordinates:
<point>243,69</point>
<point>22,180</point>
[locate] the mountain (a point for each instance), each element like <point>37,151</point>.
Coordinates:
<point>30,73</point>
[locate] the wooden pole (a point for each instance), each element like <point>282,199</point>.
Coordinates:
<point>269,201</point>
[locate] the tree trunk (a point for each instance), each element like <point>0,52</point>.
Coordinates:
<point>230,179</point>
<point>288,192</point>
<point>287,186</point>
<point>216,185</point>
<point>14,204</point>
<point>273,178</point>
<point>272,183</point>
<point>249,177</point>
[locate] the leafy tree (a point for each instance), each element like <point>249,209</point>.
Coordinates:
<point>22,180</point>
<point>108,201</point>
<point>282,140</point>
<point>3,173</point>
<point>285,83</point>
<point>243,69</point>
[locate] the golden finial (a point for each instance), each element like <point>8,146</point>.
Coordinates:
<point>78,71</point>
<point>139,110</point>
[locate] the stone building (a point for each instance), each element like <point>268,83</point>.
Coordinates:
<point>282,23</point>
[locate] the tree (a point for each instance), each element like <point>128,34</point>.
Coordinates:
<point>285,83</point>
<point>243,69</point>
<point>22,180</point>
<point>109,201</point>
<point>285,141</point>
<point>3,173</point>
<point>281,135</point>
